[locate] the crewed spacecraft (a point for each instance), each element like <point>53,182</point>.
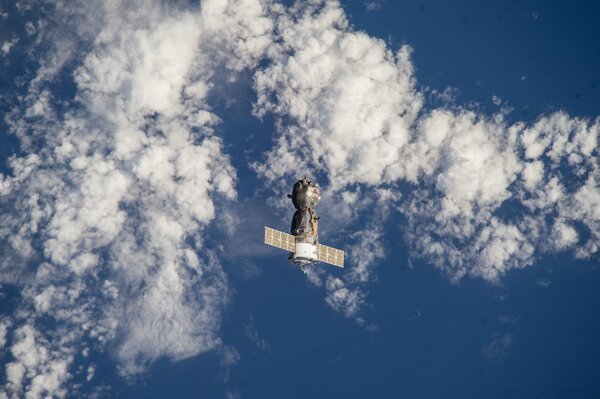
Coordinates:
<point>303,242</point>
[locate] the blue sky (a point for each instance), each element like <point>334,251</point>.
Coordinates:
<point>144,151</point>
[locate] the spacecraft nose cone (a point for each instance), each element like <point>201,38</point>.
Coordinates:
<point>305,194</point>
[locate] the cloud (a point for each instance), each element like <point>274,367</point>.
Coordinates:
<point>251,332</point>
<point>468,163</point>
<point>372,5</point>
<point>4,325</point>
<point>544,283</point>
<point>7,45</point>
<point>480,194</point>
<point>341,298</point>
<point>497,346</point>
<point>349,102</point>
<point>35,361</point>
<point>120,173</point>
<point>229,358</point>
<point>351,99</point>
<point>103,215</point>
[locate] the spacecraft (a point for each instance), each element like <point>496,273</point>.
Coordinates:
<point>303,242</point>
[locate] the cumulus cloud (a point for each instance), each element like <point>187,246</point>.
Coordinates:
<point>351,99</point>
<point>565,189</point>
<point>350,103</point>
<point>7,45</point>
<point>103,215</point>
<point>105,208</point>
<point>38,365</point>
<point>480,194</point>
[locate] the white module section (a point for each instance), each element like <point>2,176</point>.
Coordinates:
<point>305,250</point>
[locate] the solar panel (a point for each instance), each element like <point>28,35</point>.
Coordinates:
<point>330,255</point>
<point>280,239</point>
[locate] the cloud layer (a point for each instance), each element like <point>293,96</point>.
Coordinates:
<point>104,210</point>
<point>481,195</point>
<point>103,216</point>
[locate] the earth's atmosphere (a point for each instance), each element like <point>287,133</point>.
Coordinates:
<point>145,144</point>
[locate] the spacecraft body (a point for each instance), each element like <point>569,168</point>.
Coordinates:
<point>303,243</point>
<point>305,223</point>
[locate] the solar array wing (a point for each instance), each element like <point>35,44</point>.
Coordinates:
<point>279,239</point>
<point>330,255</point>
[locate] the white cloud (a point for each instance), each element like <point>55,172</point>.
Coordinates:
<point>563,235</point>
<point>7,45</point>
<point>351,100</point>
<point>485,195</point>
<point>102,223</point>
<point>103,217</point>
<point>372,5</point>
<point>4,325</point>
<point>558,135</point>
<point>341,298</point>
<point>37,371</point>
<point>533,173</point>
